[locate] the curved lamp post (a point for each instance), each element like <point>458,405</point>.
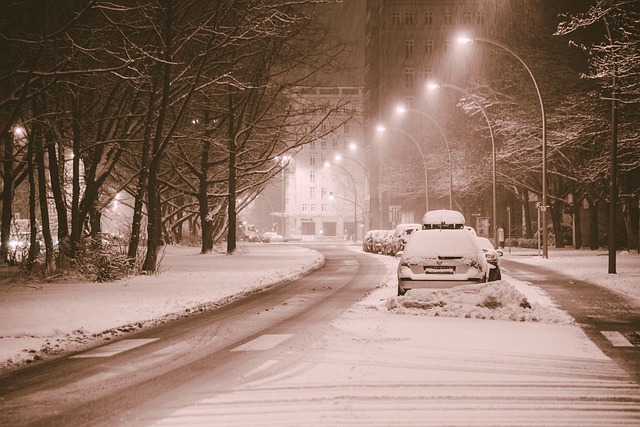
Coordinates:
<point>353,146</point>
<point>355,199</point>
<point>403,110</point>
<point>543,207</point>
<point>493,153</point>
<point>339,157</point>
<point>381,129</point>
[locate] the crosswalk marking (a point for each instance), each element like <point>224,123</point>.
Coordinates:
<point>264,342</point>
<point>115,348</point>
<point>616,339</point>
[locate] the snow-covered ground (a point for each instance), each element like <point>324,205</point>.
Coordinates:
<point>41,320</point>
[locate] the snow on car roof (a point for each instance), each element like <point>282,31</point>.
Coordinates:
<point>442,217</point>
<point>434,243</point>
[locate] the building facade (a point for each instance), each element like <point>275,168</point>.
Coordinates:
<point>325,185</point>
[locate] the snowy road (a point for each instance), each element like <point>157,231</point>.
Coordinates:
<point>318,352</point>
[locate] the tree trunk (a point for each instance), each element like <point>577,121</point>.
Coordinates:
<point>203,190</point>
<point>556,219</point>
<point>577,223</point>
<point>528,232</point>
<point>231,212</point>
<point>56,177</point>
<point>593,225</point>
<point>76,226</point>
<point>7,195</point>
<point>33,224</point>
<point>38,136</point>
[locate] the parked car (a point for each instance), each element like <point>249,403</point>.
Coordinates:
<point>272,237</point>
<point>493,258</point>
<point>443,219</point>
<point>441,255</point>
<point>367,241</point>
<point>378,239</point>
<point>387,243</point>
<point>401,235</point>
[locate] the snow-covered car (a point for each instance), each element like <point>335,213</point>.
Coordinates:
<point>441,258</point>
<point>378,239</point>
<point>443,219</point>
<point>367,241</point>
<point>272,237</point>
<point>493,258</point>
<point>387,243</point>
<point>401,235</point>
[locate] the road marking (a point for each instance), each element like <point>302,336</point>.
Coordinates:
<point>115,348</point>
<point>264,342</point>
<point>616,339</point>
<point>266,365</point>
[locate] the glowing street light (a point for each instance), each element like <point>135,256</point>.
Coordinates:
<point>543,206</point>
<point>493,152</point>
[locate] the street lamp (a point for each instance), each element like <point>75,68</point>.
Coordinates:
<point>400,109</point>
<point>338,158</point>
<point>353,146</point>
<point>284,161</point>
<point>543,206</point>
<point>355,201</point>
<point>493,153</point>
<point>381,129</point>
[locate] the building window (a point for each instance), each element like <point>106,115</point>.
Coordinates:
<point>346,143</point>
<point>324,193</point>
<point>323,207</point>
<point>305,207</point>
<point>313,207</point>
<point>448,17</point>
<point>312,159</point>
<point>466,17</point>
<point>335,143</point>
<point>480,18</point>
<point>408,101</point>
<point>446,45</point>
<point>428,18</point>
<point>395,18</point>
<point>428,73</point>
<point>428,46</point>
<point>312,192</point>
<point>323,144</point>
<point>346,128</point>
<point>324,159</point>
<point>408,18</point>
<point>312,176</point>
<point>408,48</point>
<point>312,145</point>
<point>408,78</point>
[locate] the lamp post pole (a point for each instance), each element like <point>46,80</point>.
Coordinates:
<point>355,200</point>
<point>465,92</point>
<point>424,161</point>
<point>367,184</point>
<point>446,141</point>
<point>543,206</point>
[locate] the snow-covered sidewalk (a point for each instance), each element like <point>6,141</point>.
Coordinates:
<point>38,321</point>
